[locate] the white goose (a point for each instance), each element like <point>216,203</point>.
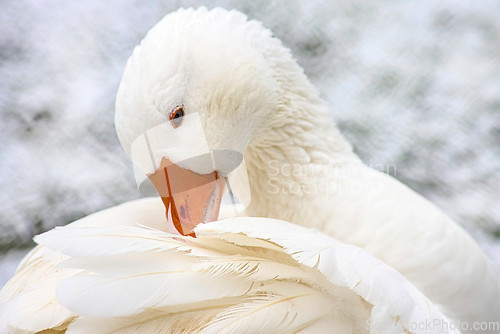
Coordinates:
<point>214,86</point>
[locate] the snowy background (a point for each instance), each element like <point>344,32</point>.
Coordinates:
<point>414,85</point>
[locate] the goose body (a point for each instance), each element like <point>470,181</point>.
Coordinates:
<point>240,275</point>
<point>383,255</point>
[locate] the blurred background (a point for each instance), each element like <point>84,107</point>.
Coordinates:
<point>414,85</point>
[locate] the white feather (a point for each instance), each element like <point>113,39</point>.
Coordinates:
<point>116,240</point>
<point>98,296</point>
<point>232,276</point>
<point>180,278</point>
<point>343,265</point>
<point>159,320</point>
<point>28,301</point>
<point>292,305</point>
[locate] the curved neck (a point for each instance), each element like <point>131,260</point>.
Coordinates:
<point>289,164</point>
<point>288,160</point>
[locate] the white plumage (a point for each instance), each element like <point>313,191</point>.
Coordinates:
<point>240,275</point>
<point>386,260</point>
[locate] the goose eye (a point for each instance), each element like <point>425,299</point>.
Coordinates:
<point>176,117</point>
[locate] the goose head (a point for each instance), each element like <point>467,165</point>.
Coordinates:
<point>201,89</point>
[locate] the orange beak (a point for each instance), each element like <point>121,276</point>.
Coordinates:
<point>192,198</point>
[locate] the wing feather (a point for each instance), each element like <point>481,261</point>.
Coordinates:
<point>28,301</point>
<point>240,275</point>
<point>392,296</point>
<point>289,310</point>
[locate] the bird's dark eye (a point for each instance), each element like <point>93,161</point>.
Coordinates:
<point>176,117</point>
